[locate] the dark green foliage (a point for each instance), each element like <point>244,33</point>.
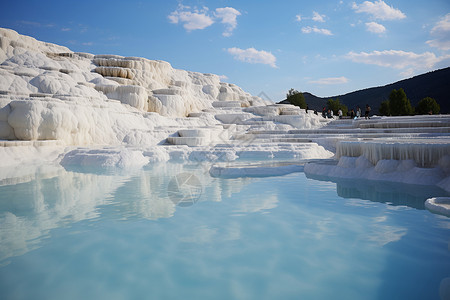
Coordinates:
<point>335,105</point>
<point>399,104</point>
<point>291,92</point>
<point>296,98</point>
<point>384,108</point>
<point>427,105</point>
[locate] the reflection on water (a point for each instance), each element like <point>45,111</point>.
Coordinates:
<point>392,193</point>
<point>172,231</point>
<point>29,210</point>
<point>184,189</point>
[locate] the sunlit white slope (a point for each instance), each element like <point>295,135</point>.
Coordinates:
<point>48,92</point>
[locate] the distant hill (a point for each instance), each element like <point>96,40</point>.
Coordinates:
<point>434,84</point>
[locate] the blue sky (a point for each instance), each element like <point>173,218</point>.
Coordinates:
<point>324,47</point>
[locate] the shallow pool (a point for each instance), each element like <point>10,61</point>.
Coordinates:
<point>171,231</point>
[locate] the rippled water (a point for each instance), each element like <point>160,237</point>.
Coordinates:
<point>173,232</point>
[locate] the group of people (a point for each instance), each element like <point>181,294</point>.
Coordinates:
<point>327,114</point>
<point>352,114</point>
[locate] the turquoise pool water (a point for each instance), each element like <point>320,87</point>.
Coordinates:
<point>173,232</point>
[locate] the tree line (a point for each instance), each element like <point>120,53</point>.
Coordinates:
<point>397,104</point>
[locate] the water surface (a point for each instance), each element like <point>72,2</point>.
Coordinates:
<point>171,231</point>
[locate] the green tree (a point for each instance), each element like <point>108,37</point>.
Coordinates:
<point>427,105</point>
<point>384,108</point>
<point>296,98</point>
<point>335,105</point>
<point>399,104</point>
<point>291,92</point>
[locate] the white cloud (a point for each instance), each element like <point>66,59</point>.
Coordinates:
<point>314,29</point>
<point>375,27</point>
<point>442,33</point>
<point>253,56</point>
<point>408,73</point>
<point>318,17</point>
<point>443,25</point>
<point>37,24</point>
<point>398,59</point>
<point>331,80</point>
<point>223,77</point>
<point>194,19</point>
<point>379,10</point>
<point>228,17</point>
<point>191,20</point>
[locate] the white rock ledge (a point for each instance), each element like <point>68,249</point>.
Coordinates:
<point>255,170</point>
<point>439,205</point>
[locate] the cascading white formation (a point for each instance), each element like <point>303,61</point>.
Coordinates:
<point>48,92</point>
<point>412,156</point>
<point>422,152</point>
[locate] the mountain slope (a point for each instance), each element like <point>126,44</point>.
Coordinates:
<point>434,84</point>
